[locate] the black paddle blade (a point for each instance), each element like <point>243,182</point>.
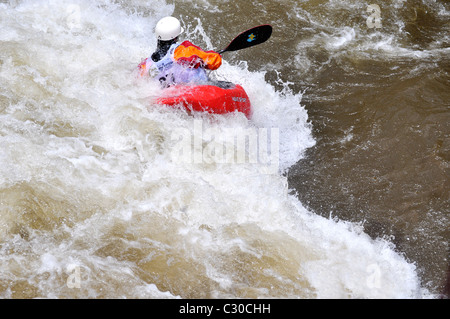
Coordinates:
<point>249,38</point>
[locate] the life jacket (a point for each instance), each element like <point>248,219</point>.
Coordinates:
<point>192,56</point>
<point>183,63</point>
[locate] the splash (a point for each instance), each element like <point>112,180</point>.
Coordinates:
<point>94,203</point>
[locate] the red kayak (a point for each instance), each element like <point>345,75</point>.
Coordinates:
<point>218,98</point>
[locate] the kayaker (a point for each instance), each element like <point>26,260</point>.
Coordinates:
<point>174,63</point>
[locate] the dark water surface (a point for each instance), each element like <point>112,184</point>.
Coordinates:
<point>378,100</point>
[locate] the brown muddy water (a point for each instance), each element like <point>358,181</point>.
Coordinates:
<point>94,203</point>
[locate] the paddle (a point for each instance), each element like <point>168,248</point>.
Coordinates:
<point>249,38</point>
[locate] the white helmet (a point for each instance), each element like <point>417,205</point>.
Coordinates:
<point>168,28</point>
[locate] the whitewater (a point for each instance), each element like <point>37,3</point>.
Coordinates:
<point>95,203</point>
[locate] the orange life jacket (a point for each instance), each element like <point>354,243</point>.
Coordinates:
<point>190,55</point>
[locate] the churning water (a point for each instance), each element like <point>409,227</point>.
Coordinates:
<point>98,199</point>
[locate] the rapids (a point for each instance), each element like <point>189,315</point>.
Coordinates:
<point>98,198</point>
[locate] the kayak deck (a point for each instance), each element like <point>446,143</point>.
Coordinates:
<point>216,97</point>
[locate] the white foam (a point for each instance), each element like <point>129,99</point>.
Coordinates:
<point>80,130</point>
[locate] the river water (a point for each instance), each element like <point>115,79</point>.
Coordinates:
<point>350,106</point>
